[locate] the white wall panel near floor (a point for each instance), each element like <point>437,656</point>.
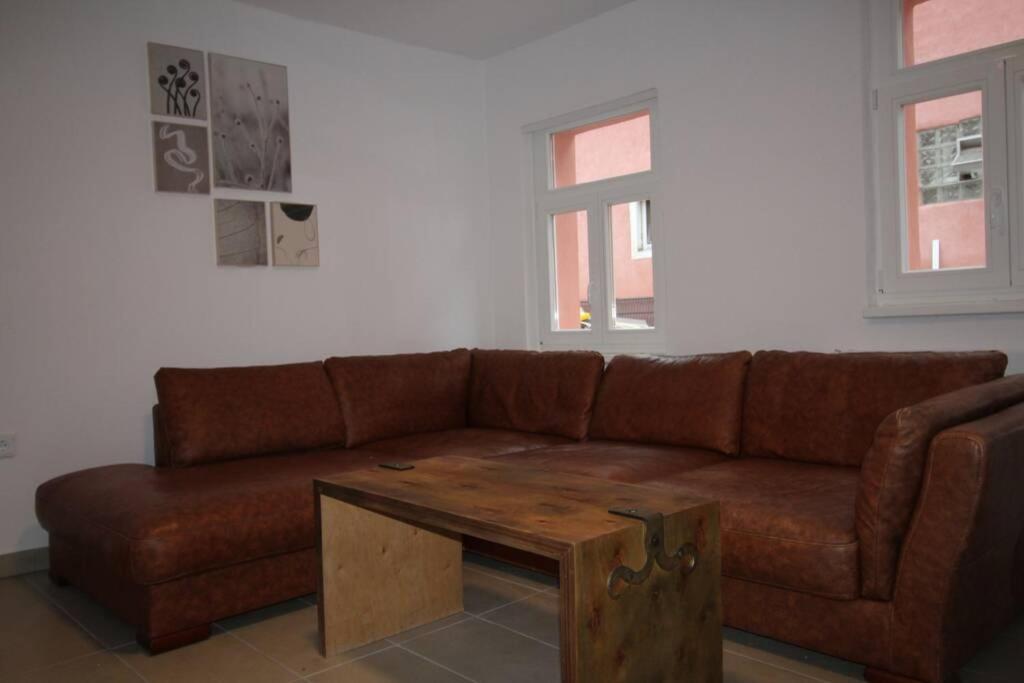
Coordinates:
<point>102,280</point>
<point>762,108</point>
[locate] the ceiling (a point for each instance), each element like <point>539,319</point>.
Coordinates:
<point>473,28</point>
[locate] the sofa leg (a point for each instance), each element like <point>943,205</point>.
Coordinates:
<point>157,644</point>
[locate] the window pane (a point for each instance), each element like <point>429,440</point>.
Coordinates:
<point>632,267</point>
<point>606,149</point>
<point>571,271</point>
<point>933,29</point>
<point>944,188</point>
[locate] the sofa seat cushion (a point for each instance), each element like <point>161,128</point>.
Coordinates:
<point>692,401</point>
<point>469,442</point>
<point>786,524</point>
<point>157,524</point>
<point>384,397</point>
<point>616,460</point>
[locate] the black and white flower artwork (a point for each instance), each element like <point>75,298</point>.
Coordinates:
<point>177,82</point>
<point>249,120</point>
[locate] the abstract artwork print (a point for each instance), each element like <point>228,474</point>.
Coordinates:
<point>241,229</point>
<point>177,82</point>
<point>181,158</point>
<point>249,116</point>
<point>295,235</point>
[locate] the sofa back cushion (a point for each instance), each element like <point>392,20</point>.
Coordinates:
<point>691,401</point>
<point>892,474</point>
<point>383,397</point>
<point>223,413</point>
<point>530,391</point>
<point>825,407</point>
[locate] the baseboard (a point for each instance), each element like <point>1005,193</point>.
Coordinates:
<point>24,562</point>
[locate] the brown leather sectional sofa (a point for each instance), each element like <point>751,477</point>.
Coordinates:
<point>872,504</point>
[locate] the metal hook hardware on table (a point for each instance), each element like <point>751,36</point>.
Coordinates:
<point>685,558</point>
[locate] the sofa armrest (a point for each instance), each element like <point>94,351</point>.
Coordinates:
<point>892,472</point>
<point>961,571</point>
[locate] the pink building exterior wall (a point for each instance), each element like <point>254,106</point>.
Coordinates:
<point>933,29</point>
<point>584,155</point>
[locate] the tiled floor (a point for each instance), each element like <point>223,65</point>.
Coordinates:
<point>508,633</point>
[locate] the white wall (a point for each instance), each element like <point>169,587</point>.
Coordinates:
<point>102,280</point>
<point>762,143</point>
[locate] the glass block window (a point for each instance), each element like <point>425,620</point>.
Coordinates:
<point>950,162</point>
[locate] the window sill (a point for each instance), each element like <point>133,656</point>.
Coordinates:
<point>918,309</point>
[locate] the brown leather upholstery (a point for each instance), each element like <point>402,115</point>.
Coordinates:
<point>683,401</point>
<point>784,523</point>
<point>616,460</point>
<point>547,393</point>
<point>156,524</point>
<point>469,442</point>
<point>825,407</point>
<point>961,574</point>
<point>383,397</point>
<point>891,474</point>
<point>223,413</point>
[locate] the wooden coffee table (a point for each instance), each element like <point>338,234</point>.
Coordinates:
<point>640,591</point>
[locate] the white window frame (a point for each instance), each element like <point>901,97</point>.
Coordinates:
<point>595,198</point>
<point>997,72</point>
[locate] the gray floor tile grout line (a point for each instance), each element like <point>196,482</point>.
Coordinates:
<point>390,646</point>
<point>518,633</point>
<point>495,575</point>
<point>779,667</point>
<point>252,647</point>
<point>504,605</point>
<point>130,667</point>
<point>430,633</point>
<point>68,614</point>
<point>757,657</point>
<point>437,664</point>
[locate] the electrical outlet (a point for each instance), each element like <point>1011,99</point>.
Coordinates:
<point>7,445</point>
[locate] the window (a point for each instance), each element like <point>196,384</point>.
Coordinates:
<point>937,29</point>
<point>594,189</point>
<point>948,126</point>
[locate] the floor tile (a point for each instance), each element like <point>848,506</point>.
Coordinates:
<point>526,577</point>
<point>98,621</point>
<point>263,614</point>
<point>420,631</point>
<point>739,669</point>
<point>102,667</point>
<point>536,616</point>
<point>786,656</point>
<point>289,634</point>
<point>220,659</point>
<point>482,592</point>
<point>395,665</point>
<point>34,633</point>
<point>489,654</point>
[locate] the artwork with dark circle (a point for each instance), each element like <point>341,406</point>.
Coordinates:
<point>181,158</point>
<point>249,117</point>
<point>295,234</point>
<point>177,83</point>
<point>241,229</point>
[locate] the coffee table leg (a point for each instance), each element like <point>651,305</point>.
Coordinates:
<point>667,628</point>
<point>380,576</point>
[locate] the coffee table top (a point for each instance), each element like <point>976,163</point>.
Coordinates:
<point>536,510</point>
